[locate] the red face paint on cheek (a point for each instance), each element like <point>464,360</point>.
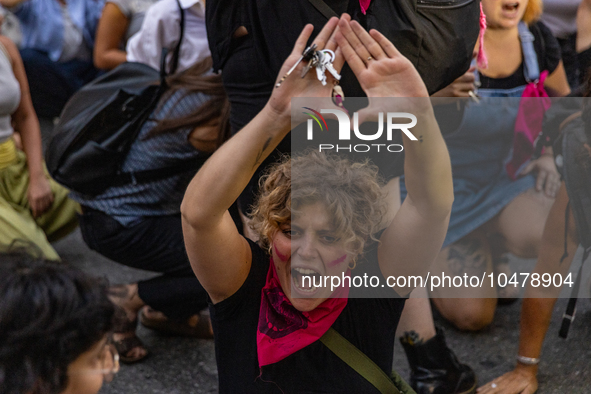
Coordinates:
<point>281,256</point>
<point>337,261</point>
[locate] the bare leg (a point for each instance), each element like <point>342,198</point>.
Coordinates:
<point>417,316</point>
<point>521,223</point>
<point>467,308</point>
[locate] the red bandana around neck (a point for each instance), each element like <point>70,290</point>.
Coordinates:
<point>283,330</point>
<point>364,5</point>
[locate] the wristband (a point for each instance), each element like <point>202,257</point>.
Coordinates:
<point>528,360</point>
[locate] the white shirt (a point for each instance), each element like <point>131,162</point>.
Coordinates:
<point>161,29</point>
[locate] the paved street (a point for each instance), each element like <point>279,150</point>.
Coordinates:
<point>187,366</point>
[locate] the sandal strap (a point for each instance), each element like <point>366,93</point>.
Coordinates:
<point>122,323</point>
<point>125,345</point>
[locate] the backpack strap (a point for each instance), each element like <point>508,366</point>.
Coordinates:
<point>323,8</point>
<point>569,314</point>
<point>177,50</point>
<point>362,364</point>
<point>531,69</point>
<point>174,61</point>
<point>575,174</point>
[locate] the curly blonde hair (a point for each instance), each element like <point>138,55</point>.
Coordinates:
<point>351,193</point>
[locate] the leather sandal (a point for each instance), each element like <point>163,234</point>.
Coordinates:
<point>124,325</point>
<point>126,345</point>
<point>183,328</point>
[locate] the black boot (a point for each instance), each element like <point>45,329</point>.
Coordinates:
<point>435,369</point>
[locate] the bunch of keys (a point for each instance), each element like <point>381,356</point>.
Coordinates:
<point>321,60</point>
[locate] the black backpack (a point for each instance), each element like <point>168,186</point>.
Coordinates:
<point>101,121</point>
<point>574,163</point>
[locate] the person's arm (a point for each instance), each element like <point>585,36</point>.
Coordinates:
<point>109,35</point>
<point>584,26</point>
<point>556,84</point>
<point>538,302</point>
<point>10,3</point>
<point>219,255</point>
<point>461,87</point>
<point>414,238</point>
<point>26,123</point>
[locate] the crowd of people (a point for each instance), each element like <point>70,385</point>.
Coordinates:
<point>235,220</point>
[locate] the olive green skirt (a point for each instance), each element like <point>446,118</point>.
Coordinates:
<point>18,227</point>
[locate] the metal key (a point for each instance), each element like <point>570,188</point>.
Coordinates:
<point>331,70</point>
<point>307,53</point>
<point>321,73</point>
<point>325,58</point>
<point>307,67</point>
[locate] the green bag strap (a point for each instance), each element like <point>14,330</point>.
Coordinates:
<point>363,365</point>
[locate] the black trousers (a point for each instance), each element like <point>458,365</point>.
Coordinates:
<point>153,244</point>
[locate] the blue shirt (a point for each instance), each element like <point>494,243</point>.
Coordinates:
<point>128,204</point>
<point>43,27</point>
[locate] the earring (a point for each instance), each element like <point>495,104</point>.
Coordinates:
<point>354,264</point>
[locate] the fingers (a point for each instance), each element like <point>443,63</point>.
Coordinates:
<point>486,389</point>
<point>358,50</point>
<point>529,390</point>
<point>326,33</point>
<point>541,179</point>
<point>389,48</point>
<point>40,205</point>
<point>552,185</point>
<point>349,54</point>
<point>302,40</point>
<point>468,77</point>
<point>463,89</point>
<point>370,44</point>
<point>339,60</point>
<point>332,42</point>
<point>34,209</point>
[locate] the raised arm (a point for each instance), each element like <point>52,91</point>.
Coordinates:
<point>219,255</point>
<point>414,238</point>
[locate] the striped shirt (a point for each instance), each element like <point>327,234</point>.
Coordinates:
<point>128,204</point>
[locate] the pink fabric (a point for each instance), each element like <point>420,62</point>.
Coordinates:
<point>528,125</point>
<point>283,330</point>
<point>482,60</point>
<point>364,5</point>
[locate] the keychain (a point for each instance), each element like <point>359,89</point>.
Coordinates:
<point>321,60</point>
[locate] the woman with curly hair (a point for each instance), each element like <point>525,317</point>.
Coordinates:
<point>317,216</point>
<point>54,325</point>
